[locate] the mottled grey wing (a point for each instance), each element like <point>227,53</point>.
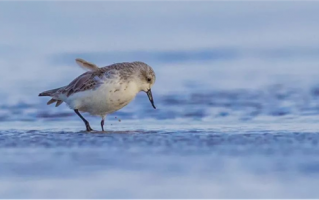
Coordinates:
<point>87,81</point>
<point>83,81</point>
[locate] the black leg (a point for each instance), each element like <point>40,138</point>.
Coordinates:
<point>88,127</point>
<point>102,124</point>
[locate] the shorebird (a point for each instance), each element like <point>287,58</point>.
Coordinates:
<point>102,91</point>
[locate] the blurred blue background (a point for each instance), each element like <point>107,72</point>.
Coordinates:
<point>237,95</point>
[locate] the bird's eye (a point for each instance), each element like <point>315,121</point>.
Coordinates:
<point>149,80</point>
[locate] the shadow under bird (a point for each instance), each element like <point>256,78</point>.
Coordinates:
<point>102,91</point>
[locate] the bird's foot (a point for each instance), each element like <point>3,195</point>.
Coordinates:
<point>88,127</point>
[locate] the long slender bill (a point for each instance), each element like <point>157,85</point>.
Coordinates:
<point>150,97</point>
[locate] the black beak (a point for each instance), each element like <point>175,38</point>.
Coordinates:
<point>150,97</point>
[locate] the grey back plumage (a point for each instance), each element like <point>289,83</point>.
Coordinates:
<point>90,80</point>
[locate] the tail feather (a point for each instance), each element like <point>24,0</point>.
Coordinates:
<point>53,94</point>
<point>49,92</point>
<point>51,101</point>
<point>59,102</point>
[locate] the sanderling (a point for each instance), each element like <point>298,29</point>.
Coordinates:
<point>102,91</point>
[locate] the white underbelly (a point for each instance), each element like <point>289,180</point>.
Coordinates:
<point>101,101</point>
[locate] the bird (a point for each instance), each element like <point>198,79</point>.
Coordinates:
<point>102,91</point>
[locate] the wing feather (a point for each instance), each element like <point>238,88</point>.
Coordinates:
<point>93,79</point>
<point>86,65</point>
<point>87,81</point>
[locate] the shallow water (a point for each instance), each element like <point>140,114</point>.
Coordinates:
<point>160,159</point>
<point>236,92</point>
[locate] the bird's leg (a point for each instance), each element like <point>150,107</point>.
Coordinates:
<point>88,127</point>
<point>102,124</point>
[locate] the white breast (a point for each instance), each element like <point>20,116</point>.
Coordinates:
<point>107,98</point>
